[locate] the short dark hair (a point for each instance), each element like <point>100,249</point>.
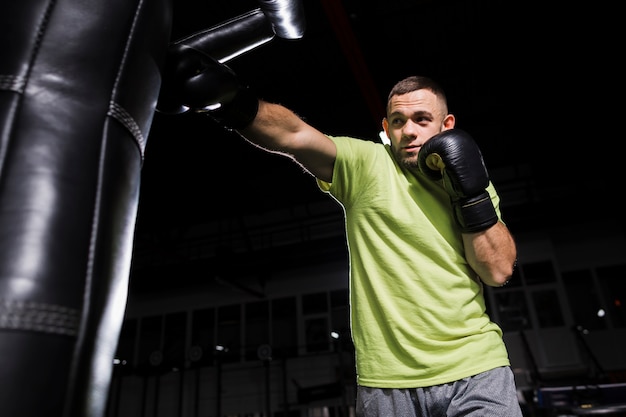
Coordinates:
<point>416,82</point>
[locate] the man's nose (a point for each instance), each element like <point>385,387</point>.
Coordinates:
<point>410,129</point>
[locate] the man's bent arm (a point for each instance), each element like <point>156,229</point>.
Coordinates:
<point>492,254</point>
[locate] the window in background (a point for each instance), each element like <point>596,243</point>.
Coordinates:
<point>149,349</point>
<point>536,273</point>
<point>174,337</point>
<point>257,328</point>
<point>229,333</point>
<point>202,349</point>
<point>512,310</point>
<point>612,281</point>
<point>340,317</point>
<point>583,299</point>
<point>548,308</point>
<point>284,340</point>
<point>316,326</point>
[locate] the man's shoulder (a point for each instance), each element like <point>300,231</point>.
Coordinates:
<point>367,157</point>
<point>353,143</point>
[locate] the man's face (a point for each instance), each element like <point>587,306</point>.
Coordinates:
<point>413,118</point>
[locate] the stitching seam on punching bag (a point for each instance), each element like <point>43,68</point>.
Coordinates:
<point>12,83</point>
<point>40,317</point>
<point>121,115</point>
<point>116,111</point>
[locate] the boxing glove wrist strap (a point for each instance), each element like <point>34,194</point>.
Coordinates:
<point>238,113</point>
<point>475,214</point>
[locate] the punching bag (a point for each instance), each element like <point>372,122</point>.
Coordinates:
<point>79,81</point>
<point>79,85</point>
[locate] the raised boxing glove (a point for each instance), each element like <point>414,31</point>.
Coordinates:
<point>195,81</point>
<point>454,157</point>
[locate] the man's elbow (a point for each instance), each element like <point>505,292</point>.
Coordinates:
<point>499,277</point>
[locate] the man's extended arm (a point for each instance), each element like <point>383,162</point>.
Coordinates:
<point>200,83</point>
<point>278,129</point>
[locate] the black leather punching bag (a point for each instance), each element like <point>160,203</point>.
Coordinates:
<point>79,81</point>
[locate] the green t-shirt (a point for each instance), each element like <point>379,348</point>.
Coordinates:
<point>417,308</point>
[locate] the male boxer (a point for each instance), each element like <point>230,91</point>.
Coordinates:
<point>424,231</point>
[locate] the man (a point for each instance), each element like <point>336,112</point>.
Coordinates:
<point>424,234</point>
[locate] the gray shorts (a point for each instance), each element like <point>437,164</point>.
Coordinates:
<point>489,394</point>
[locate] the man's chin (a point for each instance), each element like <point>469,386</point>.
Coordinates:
<point>409,163</point>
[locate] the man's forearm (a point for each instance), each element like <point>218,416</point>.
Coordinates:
<point>492,254</point>
<point>273,127</point>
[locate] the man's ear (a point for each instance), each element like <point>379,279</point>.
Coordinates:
<point>448,122</point>
<point>385,124</point>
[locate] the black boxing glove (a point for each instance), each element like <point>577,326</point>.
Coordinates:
<point>454,157</point>
<point>195,81</point>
